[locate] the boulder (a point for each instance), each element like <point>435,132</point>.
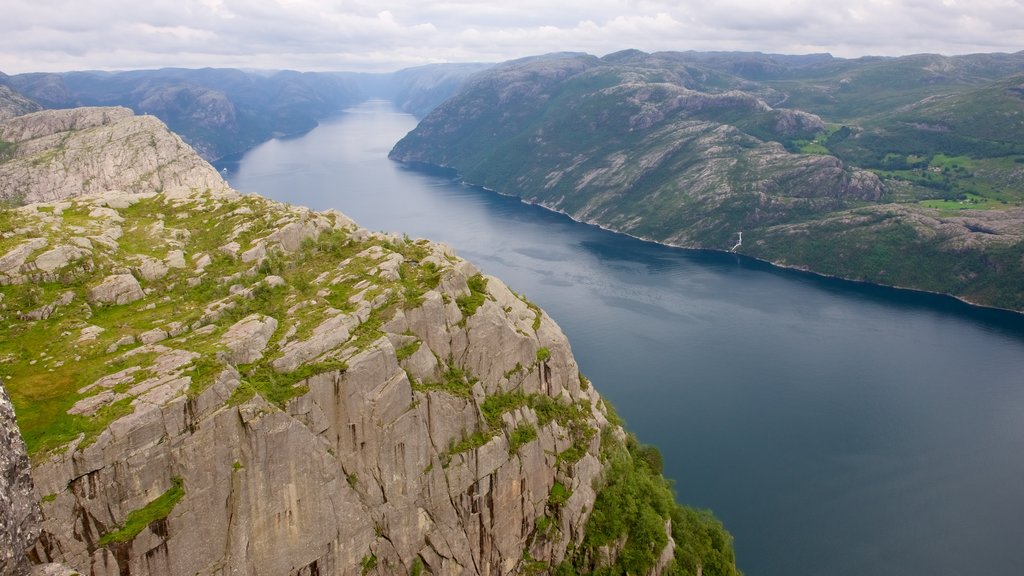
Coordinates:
<point>246,339</point>
<point>117,289</point>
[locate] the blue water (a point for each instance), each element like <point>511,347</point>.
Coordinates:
<point>836,428</point>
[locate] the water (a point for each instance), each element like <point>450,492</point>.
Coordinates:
<point>836,428</point>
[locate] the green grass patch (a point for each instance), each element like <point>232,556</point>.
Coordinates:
<point>969,202</point>
<point>477,294</point>
<point>523,434</point>
<point>278,388</point>
<point>497,404</point>
<point>456,382</point>
<point>138,519</point>
<point>203,372</point>
<point>369,562</point>
<point>558,495</point>
<point>407,350</point>
<point>417,281</point>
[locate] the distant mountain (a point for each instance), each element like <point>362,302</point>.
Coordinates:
<point>226,111</point>
<point>900,171</point>
<point>14,104</point>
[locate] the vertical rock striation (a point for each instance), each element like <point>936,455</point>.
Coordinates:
<point>19,506</point>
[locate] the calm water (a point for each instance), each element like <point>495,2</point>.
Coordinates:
<point>836,428</point>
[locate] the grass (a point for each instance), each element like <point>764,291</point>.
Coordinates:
<point>477,294</point>
<point>523,434</point>
<point>278,388</point>
<point>137,520</point>
<point>407,350</point>
<point>969,202</point>
<point>456,382</point>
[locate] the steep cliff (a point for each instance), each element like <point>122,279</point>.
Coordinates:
<point>19,507</point>
<point>215,383</point>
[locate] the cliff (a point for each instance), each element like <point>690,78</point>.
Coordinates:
<point>215,383</point>
<point>689,150</point>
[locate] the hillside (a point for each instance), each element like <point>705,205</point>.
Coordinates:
<point>14,104</point>
<point>689,149</point>
<point>213,382</point>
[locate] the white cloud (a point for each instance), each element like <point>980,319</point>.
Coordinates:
<point>40,35</point>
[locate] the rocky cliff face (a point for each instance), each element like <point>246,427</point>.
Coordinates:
<point>374,437</point>
<point>211,383</point>
<point>63,153</point>
<point>19,506</point>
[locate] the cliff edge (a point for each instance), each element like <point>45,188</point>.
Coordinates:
<point>215,383</point>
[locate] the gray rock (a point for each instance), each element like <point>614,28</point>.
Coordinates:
<point>246,339</point>
<point>152,336</point>
<point>58,257</point>
<point>117,289</point>
<point>175,259</point>
<point>19,508</point>
<point>150,268</point>
<point>14,259</point>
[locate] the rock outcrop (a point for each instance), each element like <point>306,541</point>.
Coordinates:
<point>19,506</point>
<point>58,154</point>
<point>406,429</point>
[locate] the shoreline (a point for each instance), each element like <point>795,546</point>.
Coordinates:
<point>454,174</point>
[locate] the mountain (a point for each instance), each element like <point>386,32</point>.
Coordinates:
<point>226,111</point>
<point>14,104</point>
<point>211,382</point>
<point>899,171</point>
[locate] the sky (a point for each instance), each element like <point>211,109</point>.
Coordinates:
<point>363,35</point>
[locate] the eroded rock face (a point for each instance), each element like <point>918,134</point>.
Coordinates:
<point>63,153</point>
<point>325,406</point>
<point>19,507</point>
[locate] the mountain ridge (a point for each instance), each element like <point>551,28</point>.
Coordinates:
<point>668,150</point>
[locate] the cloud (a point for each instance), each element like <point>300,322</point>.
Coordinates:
<point>46,35</point>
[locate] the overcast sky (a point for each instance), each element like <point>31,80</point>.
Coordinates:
<point>59,35</point>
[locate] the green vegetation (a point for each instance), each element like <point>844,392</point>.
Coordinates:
<point>477,294</point>
<point>407,350</point>
<point>523,434</point>
<point>456,382</point>
<point>632,508</point>
<point>7,150</point>
<point>610,139</point>
<point>543,354</point>
<point>369,562</point>
<point>279,388</point>
<point>136,520</point>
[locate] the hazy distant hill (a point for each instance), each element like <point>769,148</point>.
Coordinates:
<point>902,171</point>
<point>225,111</point>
